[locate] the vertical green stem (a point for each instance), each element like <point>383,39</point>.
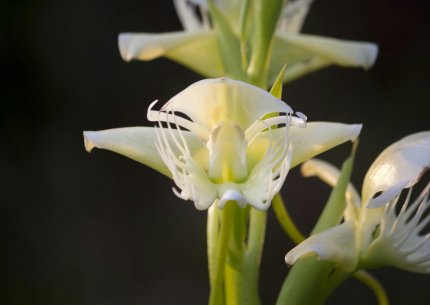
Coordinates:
<point>233,269</point>
<point>266,15</point>
<point>233,284</point>
<point>212,230</point>
<point>242,269</point>
<point>252,260</point>
<point>217,278</point>
<point>242,31</point>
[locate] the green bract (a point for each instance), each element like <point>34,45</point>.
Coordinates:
<point>239,32</point>
<point>221,140</point>
<point>374,233</point>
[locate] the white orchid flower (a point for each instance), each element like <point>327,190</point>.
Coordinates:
<point>385,227</point>
<point>222,139</point>
<point>196,47</point>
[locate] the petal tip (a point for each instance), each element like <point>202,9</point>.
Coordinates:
<point>290,259</point>
<point>297,253</point>
<point>124,46</point>
<point>372,55</point>
<point>356,129</point>
<point>89,145</point>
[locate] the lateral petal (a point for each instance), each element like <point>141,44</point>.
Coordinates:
<point>314,139</point>
<point>196,50</point>
<point>138,143</point>
<point>304,54</point>
<point>319,137</point>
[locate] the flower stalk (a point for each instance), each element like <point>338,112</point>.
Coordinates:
<point>286,221</point>
<point>221,254</point>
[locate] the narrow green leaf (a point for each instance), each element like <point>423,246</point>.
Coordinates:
<point>333,211</point>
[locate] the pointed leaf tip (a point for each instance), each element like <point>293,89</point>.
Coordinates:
<point>277,85</point>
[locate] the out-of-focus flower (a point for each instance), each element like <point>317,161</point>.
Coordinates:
<point>197,47</point>
<point>222,139</point>
<point>387,226</point>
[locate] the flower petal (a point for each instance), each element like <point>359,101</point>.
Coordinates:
<point>195,50</point>
<point>314,139</point>
<point>336,245</point>
<point>330,175</point>
<point>399,166</point>
<point>210,101</point>
<point>138,143</point>
<point>307,53</point>
<point>319,137</point>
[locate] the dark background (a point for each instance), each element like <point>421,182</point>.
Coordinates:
<point>102,229</point>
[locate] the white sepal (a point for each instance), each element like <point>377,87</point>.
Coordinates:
<point>336,245</point>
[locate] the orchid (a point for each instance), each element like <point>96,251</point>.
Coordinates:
<point>386,227</point>
<point>224,140</point>
<point>228,145</point>
<point>198,47</point>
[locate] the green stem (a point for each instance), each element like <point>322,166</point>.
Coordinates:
<point>285,220</point>
<point>242,268</point>
<point>266,15</point>
<point>371,282</point>
<point>242,272</point>
<point>217,291</point>
<point>233,269</point>
<point>253,254</point>
<point>212,237</point>
<point>243,35</point>
<point>228,42</point>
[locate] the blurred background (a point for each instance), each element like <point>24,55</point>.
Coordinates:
<point>98,228</point>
